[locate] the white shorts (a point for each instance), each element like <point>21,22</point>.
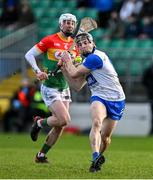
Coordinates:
<point>50,95</point>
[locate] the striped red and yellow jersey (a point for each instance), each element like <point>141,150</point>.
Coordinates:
<point>49,45</point>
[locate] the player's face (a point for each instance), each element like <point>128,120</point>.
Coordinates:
<point>85,46</point>
<point>68,26</point>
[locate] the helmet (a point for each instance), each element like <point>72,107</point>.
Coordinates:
<point>83,36</point>
<point>67,16</point>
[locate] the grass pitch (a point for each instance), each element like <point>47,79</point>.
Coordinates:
<point>126,158</point>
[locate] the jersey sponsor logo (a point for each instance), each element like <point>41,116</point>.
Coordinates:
<point>90,80</point>
<point>57,44</point>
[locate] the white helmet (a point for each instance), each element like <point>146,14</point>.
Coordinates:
<point>67,16</point>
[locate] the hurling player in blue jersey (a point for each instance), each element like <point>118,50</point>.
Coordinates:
<point>107,96</point>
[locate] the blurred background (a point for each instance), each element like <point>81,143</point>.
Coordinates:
<point>125,33</point>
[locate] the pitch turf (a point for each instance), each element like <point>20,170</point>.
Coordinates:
<point>127,158</point>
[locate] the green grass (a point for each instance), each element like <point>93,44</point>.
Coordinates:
<point>126,158</point>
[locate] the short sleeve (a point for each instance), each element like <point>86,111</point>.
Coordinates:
<point>93,62</point>
<point>43,44</point>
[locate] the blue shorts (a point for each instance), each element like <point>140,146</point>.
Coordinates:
<point>114,108</point>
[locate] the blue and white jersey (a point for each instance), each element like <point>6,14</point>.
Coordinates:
<point>103,80</point>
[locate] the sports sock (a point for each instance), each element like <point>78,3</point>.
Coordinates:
<point>41,154</point>
<point>95,155</point>
<point>42,122</point>
<point>45,148</point>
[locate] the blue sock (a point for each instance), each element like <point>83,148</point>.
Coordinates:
<point>95,155</point>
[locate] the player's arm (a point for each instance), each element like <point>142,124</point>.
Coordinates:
<point>91,63</point>
<point>74,72</point>
<point>30,57</point>
<point>76,83</point>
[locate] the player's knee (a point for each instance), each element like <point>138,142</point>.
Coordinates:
<point>63,123</point>
<point>97,123</point>
<point>65,120</point>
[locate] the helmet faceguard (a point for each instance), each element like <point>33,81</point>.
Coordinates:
<point>84,36</point>
<point>66,17</point>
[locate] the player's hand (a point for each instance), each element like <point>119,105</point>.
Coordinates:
<point>66,56</point>
<point>42,76</point>
<point>60,63</point>
<point>68,64</point>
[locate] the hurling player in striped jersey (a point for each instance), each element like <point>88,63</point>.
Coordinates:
<point>54,89</point>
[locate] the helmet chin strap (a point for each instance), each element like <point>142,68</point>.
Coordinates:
<point>67,34</point>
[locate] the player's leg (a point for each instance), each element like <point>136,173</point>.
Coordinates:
<point>54,100</point>
<point>98,113</point>
<point>106,132</point>
<point>59,106</point>
<point>56,131</point>
<point>114,113</point>
<point>61,111</point>
<point>51,139</point>
<point>58,103</point>
<point>108,126</point>
<point>53,135</point>
<point>60,115</point>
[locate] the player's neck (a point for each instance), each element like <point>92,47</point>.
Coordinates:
<point>64,36</point>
